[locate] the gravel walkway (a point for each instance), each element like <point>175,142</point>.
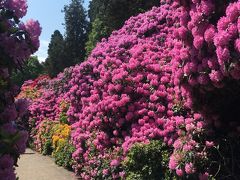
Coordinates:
<point>34,166</point>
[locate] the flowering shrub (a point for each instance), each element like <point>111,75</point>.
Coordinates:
<point>49,137</point>
<point>157,78</point>
<point>62,147</point>
<point>63,157</point>
<point>61,133</point>
<point>53,138</point>
<point>208,64</point>
<point>17,42</point>
<point>43,139</point>
<point>31,89</point>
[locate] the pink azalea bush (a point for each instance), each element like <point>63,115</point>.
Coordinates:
<point>17,41</point>
<point>208,43</point>
<point>156,78</point>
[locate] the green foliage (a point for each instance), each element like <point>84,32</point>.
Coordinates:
<point>115,12</point>
<point>55,62</point>
<point>76,26</point>
<point>148,162</point>
<point>118,11</point>
<point>30,70</point>
<point>63,156</point>
<point>99,30</point>
<point>47,147</point>
<point>63,118</point>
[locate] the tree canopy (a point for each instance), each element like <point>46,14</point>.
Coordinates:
<point>55,62</point>
<point>76,26</point>
<point>30,70</point>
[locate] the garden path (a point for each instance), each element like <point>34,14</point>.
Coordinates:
<point>34,166</point>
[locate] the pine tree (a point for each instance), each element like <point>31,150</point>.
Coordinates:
<point>76,26</point>
<point>55,60</point>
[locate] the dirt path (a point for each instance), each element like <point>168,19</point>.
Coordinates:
<point>33,166</point>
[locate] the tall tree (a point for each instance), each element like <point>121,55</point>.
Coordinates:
<point>109,15</point>
<point>55,61</point>
<point>76,25</point>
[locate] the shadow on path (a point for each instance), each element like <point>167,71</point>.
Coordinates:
<point>28,153</point>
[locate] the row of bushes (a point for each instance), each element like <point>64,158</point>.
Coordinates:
<point>50,137</point>
<point>54,139</point>
<point>144,161</point>
<point>153,87</point>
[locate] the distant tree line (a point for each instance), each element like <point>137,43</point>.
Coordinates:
<point>83,30</point>
<point>30,70</point>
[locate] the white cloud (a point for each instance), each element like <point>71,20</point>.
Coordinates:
<point>42,51</point>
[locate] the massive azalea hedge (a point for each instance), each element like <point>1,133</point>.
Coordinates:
<point>157,78</point>
<point>17,42</point>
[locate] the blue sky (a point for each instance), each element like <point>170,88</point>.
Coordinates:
<point>48,13</point>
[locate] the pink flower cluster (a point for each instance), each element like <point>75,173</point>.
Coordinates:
<point>208,44</point>
<point>25,39</point>
<point>137,86</point>
<point>19,7</point>
<point>33,29</point>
